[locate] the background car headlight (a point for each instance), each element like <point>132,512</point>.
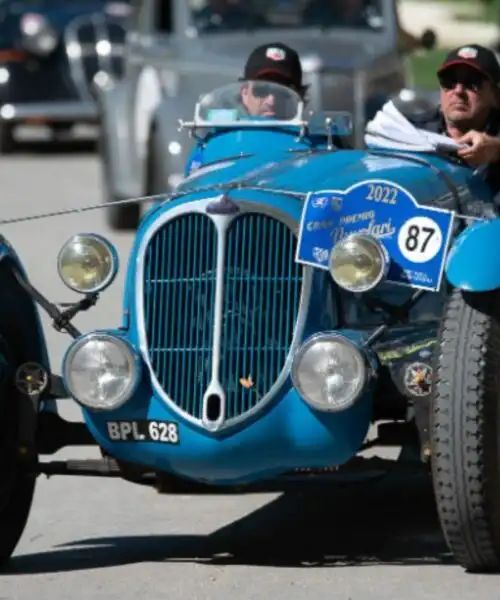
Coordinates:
<point>87,263</point>
<point>101,371</point>
<point>358,263</point>
<point>39,37</point>
<point>329,372</point>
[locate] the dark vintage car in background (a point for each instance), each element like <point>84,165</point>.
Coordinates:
<point>50,53</point>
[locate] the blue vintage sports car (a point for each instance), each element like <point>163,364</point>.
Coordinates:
<point>287,300</point>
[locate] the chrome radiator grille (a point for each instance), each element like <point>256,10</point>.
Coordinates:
<point>261,299</point>
<point>93,43</point>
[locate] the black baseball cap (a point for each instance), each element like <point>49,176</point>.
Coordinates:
<point>477,57</point>
<point>271,61</point>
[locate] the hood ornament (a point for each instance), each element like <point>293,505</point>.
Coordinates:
<point>222,206</point>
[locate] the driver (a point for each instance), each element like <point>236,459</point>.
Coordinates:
<point>276,63</point>
<point>469,111</point>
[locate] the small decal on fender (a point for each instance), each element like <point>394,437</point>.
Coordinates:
<point>417,379</point>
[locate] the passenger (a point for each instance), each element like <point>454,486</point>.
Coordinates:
<point>469,110</point>
<point>276,63</point>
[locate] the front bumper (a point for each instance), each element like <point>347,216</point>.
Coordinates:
<point>289,436</point>
<point>47,112</point>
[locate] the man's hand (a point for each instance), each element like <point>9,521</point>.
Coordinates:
<point>482,148</point>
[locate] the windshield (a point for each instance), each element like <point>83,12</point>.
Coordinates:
<point>248,101</point>
<point>234,15</point>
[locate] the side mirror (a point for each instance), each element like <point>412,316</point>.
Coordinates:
<point>428,39</point>
<point>330,123</point>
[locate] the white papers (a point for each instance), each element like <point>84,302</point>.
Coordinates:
<point>391,129</point>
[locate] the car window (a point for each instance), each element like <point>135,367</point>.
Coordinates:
<point>217,15</point>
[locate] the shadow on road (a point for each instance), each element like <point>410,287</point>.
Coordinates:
<point>364,525</point>
<point>41,147</point>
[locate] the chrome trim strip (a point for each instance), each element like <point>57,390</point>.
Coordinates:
<point>199,206</point>
<point>222,223</point>
<point>56,111</point>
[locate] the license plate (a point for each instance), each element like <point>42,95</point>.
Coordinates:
<point>162,432</point>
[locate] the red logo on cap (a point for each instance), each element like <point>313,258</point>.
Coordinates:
<point>467,52</point>
<point>275,54</point>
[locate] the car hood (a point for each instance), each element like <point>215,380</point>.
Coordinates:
<point>338,170</point>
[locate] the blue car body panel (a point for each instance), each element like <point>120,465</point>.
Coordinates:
<point>231,145</point>
<point>474,261</point>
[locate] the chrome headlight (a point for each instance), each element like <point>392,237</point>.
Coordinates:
<point>329,372</point>
<point>87,263</point>
<point>39,37</point>
<point>358,263</point>
<point>101,371</point>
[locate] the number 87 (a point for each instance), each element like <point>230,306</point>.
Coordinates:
<point>418,238</point>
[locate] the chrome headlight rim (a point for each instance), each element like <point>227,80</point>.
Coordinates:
<point>133,354</point>
<point>382,253</point>
<point>115,263</point>
<point>326,336</point>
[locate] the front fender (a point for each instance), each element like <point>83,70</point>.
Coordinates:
<point>473,263</point>
<point>118,139</point>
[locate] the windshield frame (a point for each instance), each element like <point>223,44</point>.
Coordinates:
<point>247,121</point>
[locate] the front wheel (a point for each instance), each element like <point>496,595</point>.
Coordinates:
<point>7,141</point>
<point>465,427</point>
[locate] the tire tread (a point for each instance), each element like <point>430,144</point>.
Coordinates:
<point>463,422</point>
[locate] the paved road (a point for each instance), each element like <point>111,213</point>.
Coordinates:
<point>123,541</point>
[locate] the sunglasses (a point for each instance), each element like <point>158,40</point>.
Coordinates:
<point>473,82</point>
<point>264,89</point>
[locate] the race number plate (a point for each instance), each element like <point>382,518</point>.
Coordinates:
<point>415,237</point>
<point>162,432</point>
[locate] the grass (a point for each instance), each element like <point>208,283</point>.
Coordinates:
<point>478,10</point>
<point>485,14</point>
<point>424,66</point>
